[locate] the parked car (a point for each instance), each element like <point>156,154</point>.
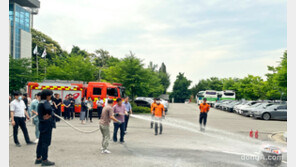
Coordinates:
<point>224,106</point>
<point>165,103</point>
<point>224,102</point>
<point>147,101</point>
<point>238,108</point>
<point>277,111</point>
<point>246,110</point>
<point>258,108</point>
<point>218,103</point>
<point>229,107</point>
<point>144,102</point>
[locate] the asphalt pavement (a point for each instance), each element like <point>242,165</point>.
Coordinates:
<point>225,142</point>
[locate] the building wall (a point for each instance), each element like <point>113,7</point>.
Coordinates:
<point>19,21</point>
<point>26,44</point>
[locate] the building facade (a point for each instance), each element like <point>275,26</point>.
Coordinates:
<point>20,23</point>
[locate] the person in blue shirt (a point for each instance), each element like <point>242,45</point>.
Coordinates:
<point>128,109</point>
<point>33,107</point>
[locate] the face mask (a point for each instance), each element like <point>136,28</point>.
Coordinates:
<point>20,98</point>
<point>157,102</point>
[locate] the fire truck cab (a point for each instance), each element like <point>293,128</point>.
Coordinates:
<point>100,90</point>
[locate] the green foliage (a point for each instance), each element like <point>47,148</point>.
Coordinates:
<point>140,109</point>
<point>276,86</point>
<point>104,59</point>
<point>164,77</point>
<point>20,73</point>
<point>180,89</point>
<point>137,80</point>
<point>251,87</point>
<point>73,67</point>
<point>78,52</point>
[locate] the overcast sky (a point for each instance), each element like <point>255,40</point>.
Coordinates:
<point>202,38</point>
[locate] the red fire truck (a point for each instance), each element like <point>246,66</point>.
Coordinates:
<point>95,90</point>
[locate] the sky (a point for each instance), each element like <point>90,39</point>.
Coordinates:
<point>201,38</point>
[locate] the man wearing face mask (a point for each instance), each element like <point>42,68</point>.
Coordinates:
<point>159,114</point>
<point>18,118</point>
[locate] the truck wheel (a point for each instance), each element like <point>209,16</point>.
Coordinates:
<point>266,116</point>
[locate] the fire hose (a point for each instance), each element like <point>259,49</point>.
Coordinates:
<point>73,127</point>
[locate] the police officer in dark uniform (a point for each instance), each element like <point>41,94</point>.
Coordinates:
<point>45,115</point>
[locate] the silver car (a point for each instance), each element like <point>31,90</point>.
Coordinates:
<point>278,111</point>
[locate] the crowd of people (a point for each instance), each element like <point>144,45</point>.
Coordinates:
<point>44,107</point>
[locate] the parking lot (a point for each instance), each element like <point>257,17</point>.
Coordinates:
<point>226,142</point>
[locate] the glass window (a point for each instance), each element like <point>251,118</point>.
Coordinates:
<point>97,91</point>
<point>17,14</point>
<point>112,92</point>
<point>211,93</point>
<point>228,94</point>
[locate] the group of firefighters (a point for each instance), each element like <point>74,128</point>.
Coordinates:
<point>44,120</point>
<point>158,113</point>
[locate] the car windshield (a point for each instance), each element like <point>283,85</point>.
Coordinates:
<point>256,104</point>
<point>272,107</point>
<point>265,105</point>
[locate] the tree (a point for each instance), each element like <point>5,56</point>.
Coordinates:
<point>77,51</point>
<point>42,41</point>
<point>181,90</point>
<point>75,67</point>
<point>276,84</point>
<point>104,59</point>
<point>152,66</point>
<point>164,77</point>
<point>162,68</point>
<point>137,80</point>
<point>20,72</point>
<point>215,84</point>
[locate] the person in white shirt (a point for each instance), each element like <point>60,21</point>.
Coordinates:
<point>100,104</point>
<point>18,117</point>
<point>106,100</point>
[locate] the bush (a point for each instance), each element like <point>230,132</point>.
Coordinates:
<point>140,109</point>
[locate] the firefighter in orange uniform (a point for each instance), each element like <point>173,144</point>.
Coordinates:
<point>204,109</point>
<point>159,113</point>
<point>152,116</point>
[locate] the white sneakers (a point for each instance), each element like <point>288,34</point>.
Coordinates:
<point>106,152</point>
<point>36,141</point>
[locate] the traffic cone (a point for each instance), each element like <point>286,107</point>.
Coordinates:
<point>251,133</point>
<point>256,134</point>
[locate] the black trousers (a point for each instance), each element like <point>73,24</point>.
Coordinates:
<point>203,118</point>
<point>58,112</point>
<point>67,113</point>
<point>20,122</point>
<point>90,114</point>
<point>126,121</point>
<point>72,112</point>
<point>99,110</point>
<point>116,127</point>
<point>43,144</point>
